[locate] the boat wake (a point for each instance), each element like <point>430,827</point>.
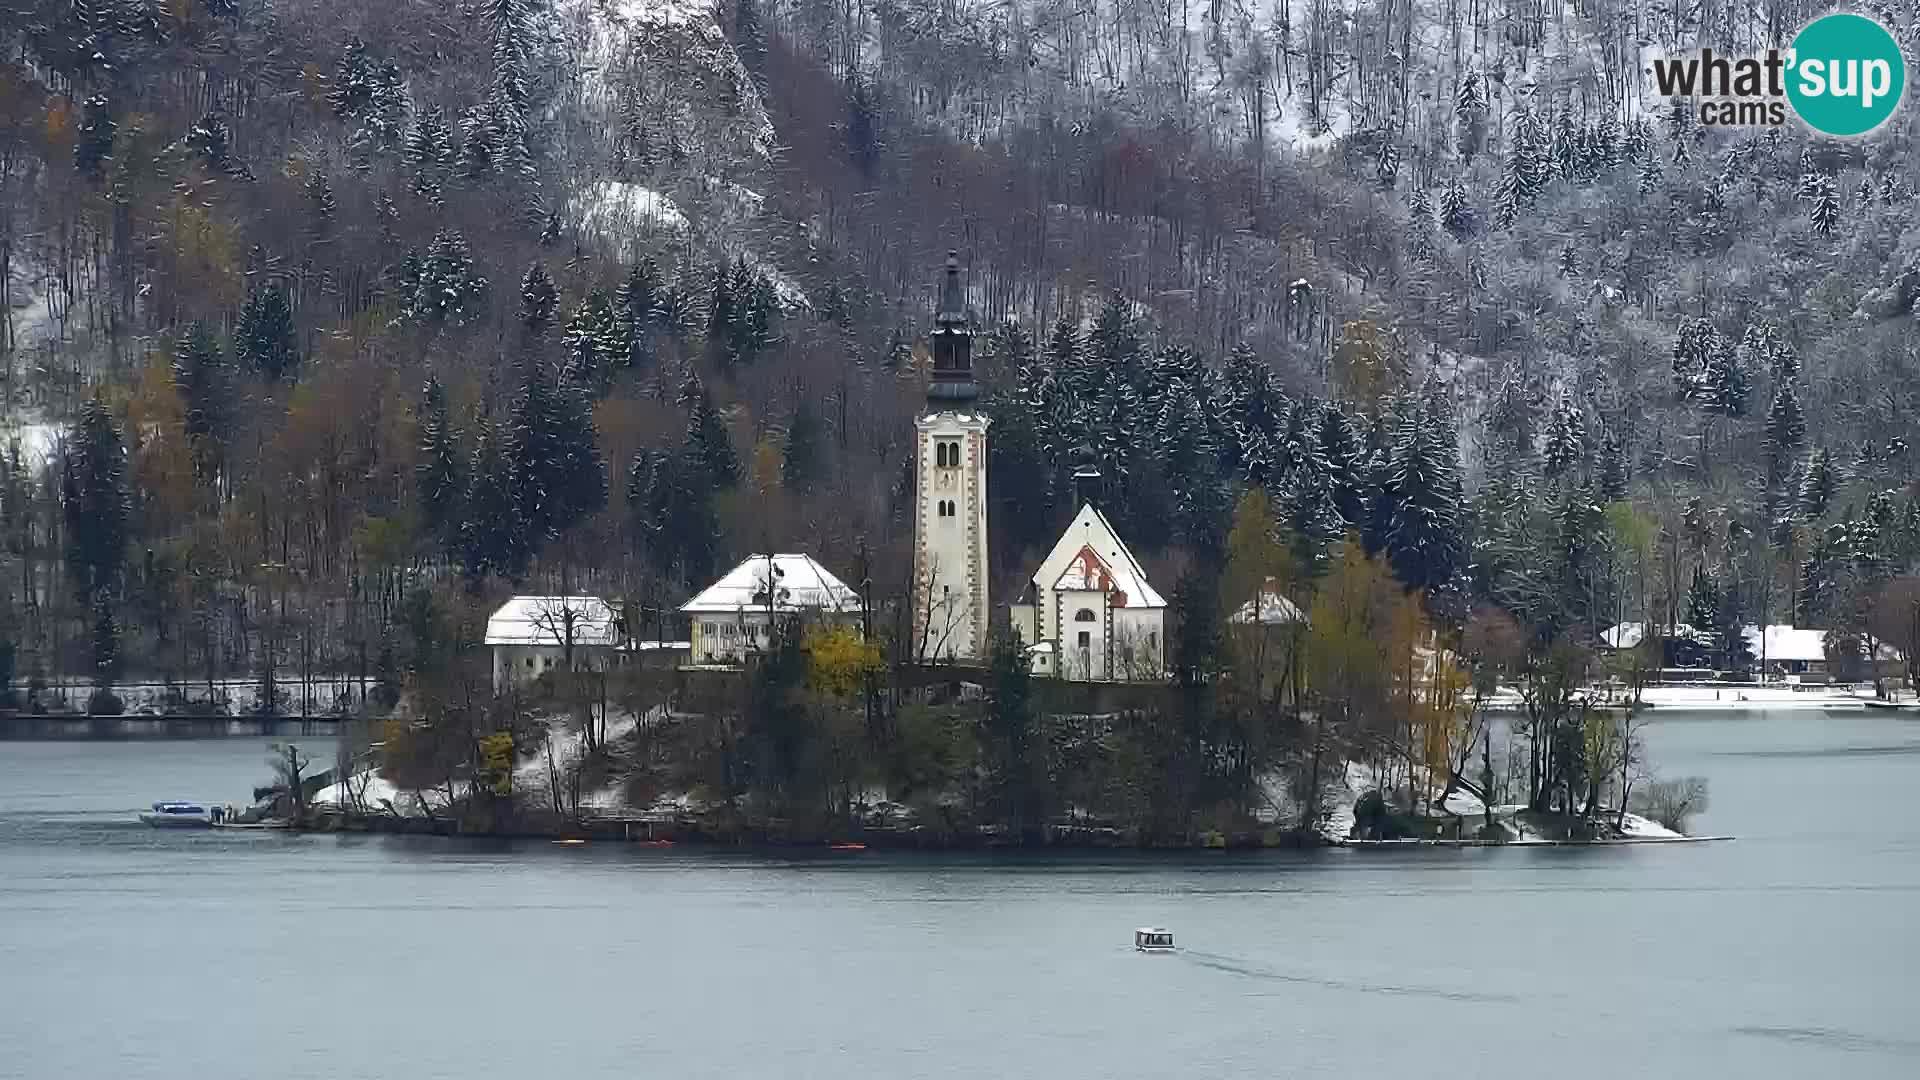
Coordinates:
<point>1235,967</point>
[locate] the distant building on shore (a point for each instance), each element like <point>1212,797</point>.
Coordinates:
<point>1780,649</point>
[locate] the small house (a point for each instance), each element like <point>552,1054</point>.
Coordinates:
<point>732,618</point>
<point>532,635</point>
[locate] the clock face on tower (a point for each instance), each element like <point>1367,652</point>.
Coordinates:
<point>945,480</point>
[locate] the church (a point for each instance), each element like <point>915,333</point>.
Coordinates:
<point>1088,614</point>
<point>1089,610</point>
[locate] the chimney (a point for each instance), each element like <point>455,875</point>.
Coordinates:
<point>1086,484</point>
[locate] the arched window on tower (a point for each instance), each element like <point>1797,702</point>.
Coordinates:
<point>940,454</point>
<point>1084,615</point>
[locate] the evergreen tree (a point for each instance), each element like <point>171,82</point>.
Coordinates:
<point>1613,470</point>
<point>443,287</point>
<point>750,39</point>
<point>863,140</point>
<point>1566,439</point>
<point>1817,486</point>
<point>492,537</point>
<point>319,192</point>
<point>263,334</point>
<point>1528,168</point>
<point>500,124</point>
<point>205,385</point>
<point>1470,110</point>
<point>1638,141</point>
<point>95,502</point>
<point>723,315</point>
<point>353,81</point>
<point>800,456</point>
<point>708,444</point>
<point>1725,383</point>
<point>106,644</point>
<point>1341,451</point>
<point>1255,410</point>
<point>1823,206</point>
<point>1456,213</point>
<point>1420,248</point>
<point>438,478</point>
<point>1386,164</point>
<point>671,501</point>
<point>1703,600</point>
<point>429,153</point>
<point>1423,493</point>
<point>1786,431</point>
<point>479,157</point>
<point>212,140</point>
<point>93,142</point>
<point>385,119</point>
<point>595,339</point>
<point>539,299</point>
<point>639,309</point>
<point>1649,174</point>
<point>557,473</point>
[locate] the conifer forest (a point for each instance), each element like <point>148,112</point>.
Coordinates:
<point>330,324</point>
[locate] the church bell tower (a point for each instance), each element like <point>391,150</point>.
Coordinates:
<point>950,495</point>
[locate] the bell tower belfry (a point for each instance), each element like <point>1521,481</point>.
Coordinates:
<point>950,494</point>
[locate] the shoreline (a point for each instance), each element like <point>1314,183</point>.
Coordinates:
<point>696,836</point>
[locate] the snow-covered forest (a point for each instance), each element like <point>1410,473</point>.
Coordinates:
<point>328,324</point>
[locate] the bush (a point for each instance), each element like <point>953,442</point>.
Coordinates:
<point>1373,819</point>
<point>1671,802</point>
<point>104,702</point>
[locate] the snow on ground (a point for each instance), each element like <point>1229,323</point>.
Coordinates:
<point>1744,698</point>
<point>532,779</point>
<point>615,215</point>
<point>372,792</point>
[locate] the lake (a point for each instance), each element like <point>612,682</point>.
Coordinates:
<point>1792,952</point>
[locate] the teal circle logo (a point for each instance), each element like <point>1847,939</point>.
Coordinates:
<point>1848,75</point>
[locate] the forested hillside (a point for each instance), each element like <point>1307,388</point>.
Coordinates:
<point>319,314</point>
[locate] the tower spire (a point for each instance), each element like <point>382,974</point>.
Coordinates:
<point>952,344</point>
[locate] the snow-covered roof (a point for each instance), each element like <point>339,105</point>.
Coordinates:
<point>1780,642</point>
<point>1270,608</point>
<point>1090,555</point>
<point>542,620</point>
<point>1787,643</point>
<point>803,585</point>
<point>1629,635</point>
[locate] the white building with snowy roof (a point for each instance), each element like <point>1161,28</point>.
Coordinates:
<point>1089,613</point>
<point>731,618</point>
<point>531,635</point>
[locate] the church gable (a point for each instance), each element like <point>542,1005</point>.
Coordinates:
<point>1088,572</point>
<point>1089,556</point>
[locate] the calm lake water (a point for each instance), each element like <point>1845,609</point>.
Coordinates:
<point>1792,952</point>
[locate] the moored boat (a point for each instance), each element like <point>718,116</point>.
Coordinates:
<point>178,815</point>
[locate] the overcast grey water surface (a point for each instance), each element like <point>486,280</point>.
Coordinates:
<point>1792,952</point>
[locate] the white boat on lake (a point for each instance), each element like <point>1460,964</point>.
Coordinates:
<point>1153,939</point>
<point>178,815</point>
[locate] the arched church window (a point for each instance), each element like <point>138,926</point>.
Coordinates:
<point>1084,615</point>
<point>940,454</point>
